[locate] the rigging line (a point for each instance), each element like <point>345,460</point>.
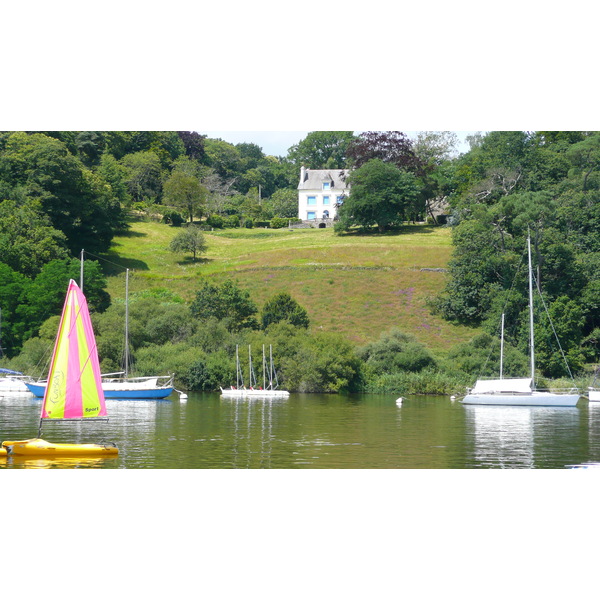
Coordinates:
<point>105,260</point>
<point>553,330</point>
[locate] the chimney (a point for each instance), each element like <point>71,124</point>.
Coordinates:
<point>302,174</point>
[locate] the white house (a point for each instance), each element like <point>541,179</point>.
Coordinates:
<point>319,193</point>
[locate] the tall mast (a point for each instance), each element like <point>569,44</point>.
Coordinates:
<point>532,343</point>
<point>127,323</point>
<point>502,345</point>
<point>81,272</point>
<point>264,369</point>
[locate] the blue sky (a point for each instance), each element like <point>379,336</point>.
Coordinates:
<point>277,143</point>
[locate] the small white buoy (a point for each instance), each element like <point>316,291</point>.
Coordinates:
<point>453,398</point>
<point>399,401</point>
<point>183,396</point>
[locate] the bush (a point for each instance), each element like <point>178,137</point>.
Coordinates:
<point>231,221</point>
<point>278,223</point>
<point>396,351</point>
<point>249,224</point>
<point>215,221</point>
<point>173,218</point>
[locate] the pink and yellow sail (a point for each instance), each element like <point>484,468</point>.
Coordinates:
<point>74,388</point>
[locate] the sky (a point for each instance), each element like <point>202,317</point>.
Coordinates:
<point>277,143</point>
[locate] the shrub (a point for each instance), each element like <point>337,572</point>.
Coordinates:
<point>278,223</point>
<point>215,221</point>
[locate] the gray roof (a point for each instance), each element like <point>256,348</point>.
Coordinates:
<point>314,178</point>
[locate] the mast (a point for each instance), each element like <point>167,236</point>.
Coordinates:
<point>264,370</point>
<point>81,271</point>
<point>501,345</point>
<point>531,337</point>
<point>126,353</point>
<point>250,366</point>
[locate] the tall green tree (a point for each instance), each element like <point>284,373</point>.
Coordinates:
<point>186,193</point>
<point>381,194</point>
<point>322,150</point>
<point>75,199</point>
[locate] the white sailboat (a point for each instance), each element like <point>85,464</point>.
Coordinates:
<point>268,389</point>
<point>519,391</point>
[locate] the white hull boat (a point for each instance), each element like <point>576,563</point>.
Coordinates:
<point>519,391</point>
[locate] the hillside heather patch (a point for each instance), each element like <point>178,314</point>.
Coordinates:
<point>358,286</point>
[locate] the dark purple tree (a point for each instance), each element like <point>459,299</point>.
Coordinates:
<point>194,144</point>
<point>392,147</point>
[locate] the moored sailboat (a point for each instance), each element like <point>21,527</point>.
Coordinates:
<point>74,390</point>
<point>268,390</point>
<point>520,391</point>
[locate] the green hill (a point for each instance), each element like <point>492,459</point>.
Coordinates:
<point>357,285</point>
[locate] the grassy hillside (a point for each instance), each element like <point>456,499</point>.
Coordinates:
<point>359,286</point>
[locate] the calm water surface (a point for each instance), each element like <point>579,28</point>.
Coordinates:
<point>318,431</point>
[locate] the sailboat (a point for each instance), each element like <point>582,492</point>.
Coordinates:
<point>519,391</point>
<point>120,385</point>
<point>74,390</point>
<point>268,389</point>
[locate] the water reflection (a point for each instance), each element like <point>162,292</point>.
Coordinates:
<point>251,430</point>
<point>520,436</point>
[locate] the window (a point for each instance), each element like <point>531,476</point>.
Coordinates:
<point>326,185</point>
<point>325,199</point>
<point>311,201</point>
<point>310,215</point>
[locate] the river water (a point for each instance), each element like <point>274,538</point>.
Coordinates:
<point>318,431</point>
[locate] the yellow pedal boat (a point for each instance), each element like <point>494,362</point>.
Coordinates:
<point>37,447</point>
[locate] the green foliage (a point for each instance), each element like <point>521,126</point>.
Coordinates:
<point>278,223</point>
<point>189,239</point>
<point>45,295</point>
<point>184,191</point>
<point>78,202</point>
<point>382,195</point>
<point>27,238</point>
<point>282,307</point>
<point>225,302</point>
<point>322,150</point>
<point>395,351</point>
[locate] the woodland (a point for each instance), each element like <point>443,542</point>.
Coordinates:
<point>61,192</point>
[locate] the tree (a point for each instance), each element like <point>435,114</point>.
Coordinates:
<point>284,203</point>
<point>189,239</point>
<point>143,176</point>
<point>282,307</point>
<point>27,239</point>
<point>322,150</point>
<point>12,289</point>
<point>194,144</point>
<point>186,193</point>
<point>392,147</point>
<point>381,194</point>
<point>225,302</point>
<point>76,200</point>
<point>585,155</point>
<point>45,295</point>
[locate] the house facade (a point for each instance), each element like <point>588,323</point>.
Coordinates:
<point>320,191</point>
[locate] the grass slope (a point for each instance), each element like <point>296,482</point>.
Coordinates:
<point>356,285</point>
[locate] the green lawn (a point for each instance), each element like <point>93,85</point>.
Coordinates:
<point>357,285</point>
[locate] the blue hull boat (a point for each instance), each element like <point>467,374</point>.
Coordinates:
<point>118,391</point>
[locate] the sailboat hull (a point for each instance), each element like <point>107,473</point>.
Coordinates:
<point>37,447</point>
<point>532,399</point>
<point>116,391</point>
<point>249,394</point>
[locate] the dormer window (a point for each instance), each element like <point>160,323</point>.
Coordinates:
<point>326,185</point>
